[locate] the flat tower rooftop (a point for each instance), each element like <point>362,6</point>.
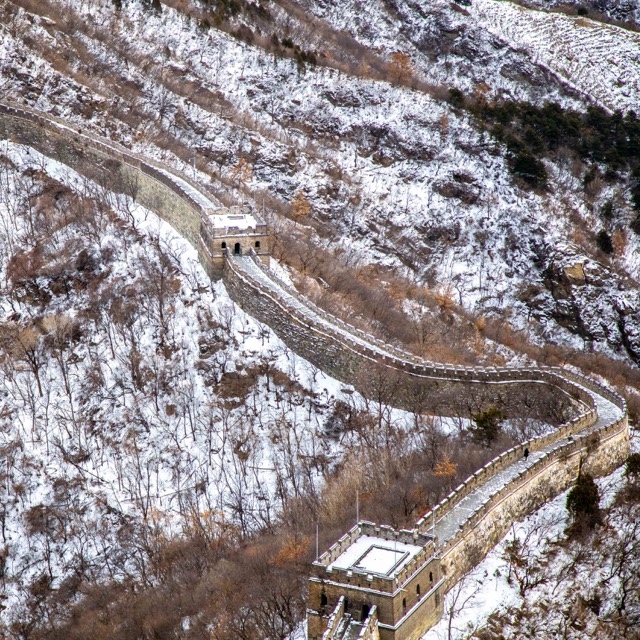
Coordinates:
<point>372,554</point>
<point>234,221</point>
<point>240,221</point>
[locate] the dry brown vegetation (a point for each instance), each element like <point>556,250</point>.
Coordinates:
<point>232,586</point>
<point>375,299</point>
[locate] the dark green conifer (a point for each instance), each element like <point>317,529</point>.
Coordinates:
<point>583,501</point>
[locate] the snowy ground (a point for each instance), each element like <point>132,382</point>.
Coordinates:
<point>599,60</point>
<point>378,162</point>
<point>374,159</point>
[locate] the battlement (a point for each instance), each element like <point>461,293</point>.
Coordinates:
<point>375,566</point>
<point>375,556</point>
<point>235,230</point>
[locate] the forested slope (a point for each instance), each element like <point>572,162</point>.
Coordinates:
<point>160,442</point>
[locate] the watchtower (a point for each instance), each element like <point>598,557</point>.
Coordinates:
<point>237,230</point>
<point>394,575</point>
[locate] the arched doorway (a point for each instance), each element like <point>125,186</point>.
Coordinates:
<point>236,249</point>
<point>365,612</point>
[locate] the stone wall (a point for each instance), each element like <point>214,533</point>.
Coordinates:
<point>598,453</point>
<point>414,385</point>
<point>370,631</point>
<point>354,357</point>
<point>414,612</point>
<point>420,616</point>
<point>458,391</point>
<point>599,450</point>
<point>334,620</point>
<point>108,165</point>
<point>421,388</point>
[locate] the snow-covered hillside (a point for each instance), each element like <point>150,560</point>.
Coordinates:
<point>132,391</point>
<point>138,403</point>
<point>601,61</point>
<point>626,12</point>
<point>394,176</point>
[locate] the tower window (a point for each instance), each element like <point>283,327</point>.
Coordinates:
<point>418,590</point>
<point>323,599</point>
<point>224,245</point>
<point>430,576</point>
<point>257,244</point>
<point>404,604</point>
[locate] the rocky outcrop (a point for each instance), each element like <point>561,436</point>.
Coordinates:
<point>589,300</point>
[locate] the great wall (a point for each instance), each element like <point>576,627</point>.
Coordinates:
<point>374,582</point>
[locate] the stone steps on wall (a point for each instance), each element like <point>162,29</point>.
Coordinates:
<point>448,526</point>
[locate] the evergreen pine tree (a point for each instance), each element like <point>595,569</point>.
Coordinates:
<point>583,501</point>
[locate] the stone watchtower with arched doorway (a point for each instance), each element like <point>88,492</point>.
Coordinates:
<point>376,582</point>
<point>237,230</point>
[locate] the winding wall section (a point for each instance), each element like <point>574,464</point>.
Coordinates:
<point>591,419</point>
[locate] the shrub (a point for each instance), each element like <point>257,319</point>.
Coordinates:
<point>607,210</point>
<point>635,196</point>
<point>456,97</point>
<point>488,426</point>
<point>604,242</point>
<point>590,176</point>
<point>530,169</point>
<point>583,501</point>
<point>154,5</point>
<point>632,467</point>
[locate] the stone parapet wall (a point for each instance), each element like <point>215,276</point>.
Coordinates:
<point>107,164</point>
<point>504,460</point>
<point>597,452</point>
<point>110,148</point>
<point>570,429</point>
<point>334,620</point>
<point>411,363</point>
<point>420,387</point>
<point>370,628</point>
<point>365,528</point>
